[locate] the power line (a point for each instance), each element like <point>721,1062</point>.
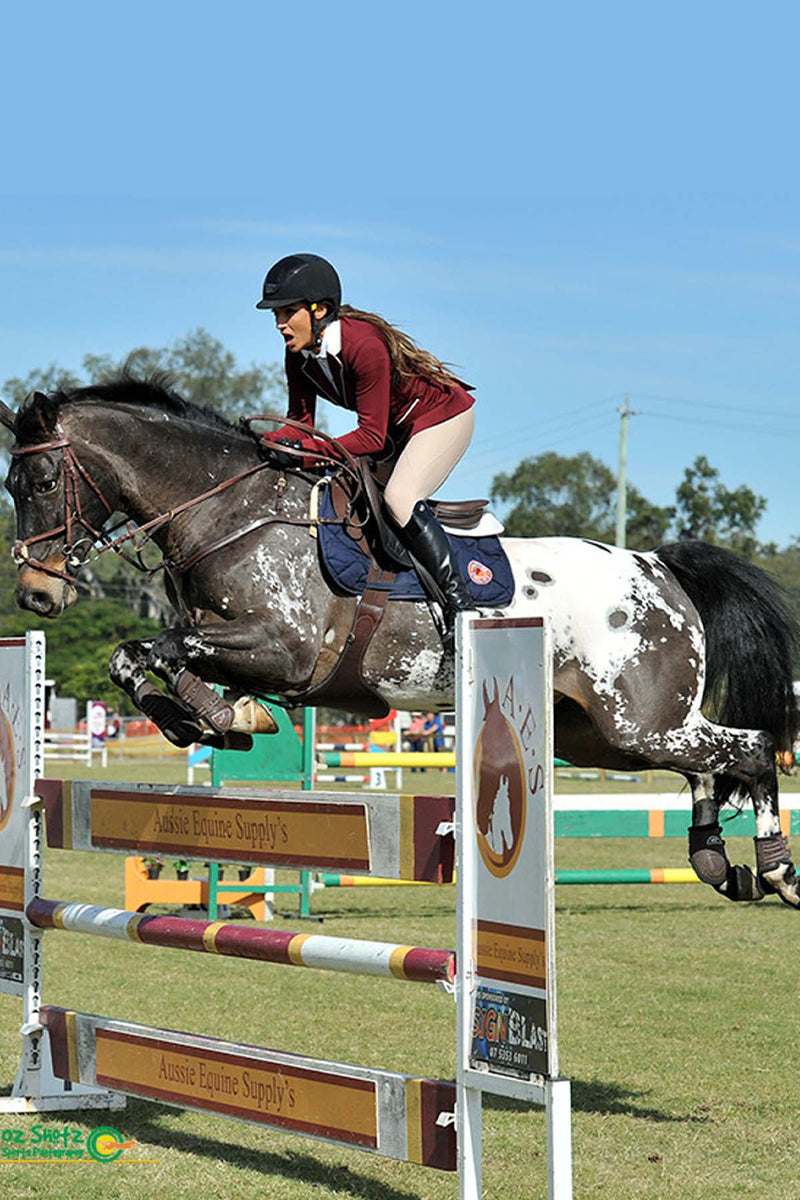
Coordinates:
<point>775,412</point>
<point>537,425</point>
<point>768,430</point>
<point>493,461</point>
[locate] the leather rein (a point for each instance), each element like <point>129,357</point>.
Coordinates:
<point>141,535</point>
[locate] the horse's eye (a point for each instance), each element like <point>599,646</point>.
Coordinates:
<point>47,485</point>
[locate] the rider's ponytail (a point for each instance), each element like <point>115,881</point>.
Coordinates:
<point>406,356</point>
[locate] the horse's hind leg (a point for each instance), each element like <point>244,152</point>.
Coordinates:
<point>776,871</point>
<point>747,756</point>
<point>699,749</point>
<point>707,853</point>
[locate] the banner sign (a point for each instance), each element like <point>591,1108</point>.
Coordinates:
<point>506,774</point>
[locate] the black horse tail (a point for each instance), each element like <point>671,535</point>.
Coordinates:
<point>752,638</point>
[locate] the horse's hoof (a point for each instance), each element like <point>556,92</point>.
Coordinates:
<point>781,882</point>
<point>227,741</point>
<point>249,716</point>
<point>175,724</point>
<point>238,741</point>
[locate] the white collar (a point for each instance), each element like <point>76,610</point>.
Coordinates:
<point>331,342</point>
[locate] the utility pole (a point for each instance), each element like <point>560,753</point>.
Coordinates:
<point>622,484</point>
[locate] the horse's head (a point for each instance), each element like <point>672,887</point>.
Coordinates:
<point>59,505</point>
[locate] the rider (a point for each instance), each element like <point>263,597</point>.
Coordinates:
<point>406,402</point>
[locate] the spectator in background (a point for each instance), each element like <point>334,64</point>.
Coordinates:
<point>415,736</point>
<point>434,731</point>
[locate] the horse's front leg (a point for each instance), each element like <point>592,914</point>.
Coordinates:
<point>250,653</point>
<point>707,848</point>
<point>128,668</point>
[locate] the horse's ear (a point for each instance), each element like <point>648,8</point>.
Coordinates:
<point>496,691</point>
<point>7,417</point>
<point>45,412</point>
<point>486,700</point>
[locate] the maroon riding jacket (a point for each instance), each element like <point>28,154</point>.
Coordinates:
<point>359,378</point>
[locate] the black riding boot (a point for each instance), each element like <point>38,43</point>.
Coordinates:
<point>427,541</point>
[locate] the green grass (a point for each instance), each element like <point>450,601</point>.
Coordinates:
<point>675,1026</point>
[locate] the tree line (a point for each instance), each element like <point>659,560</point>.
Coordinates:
<point>547,495</point>
<point>556,496</point>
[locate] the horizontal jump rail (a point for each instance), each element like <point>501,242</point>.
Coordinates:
<point>388,758</point>
<point>353,956</point>
<point>599,876</point>
<point>388,1113</point>
<point>398,836</point>
<point>632,875</point>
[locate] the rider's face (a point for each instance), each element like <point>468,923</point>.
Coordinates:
<point>294,325</point>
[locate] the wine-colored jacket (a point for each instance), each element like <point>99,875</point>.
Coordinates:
<point>354,371</point>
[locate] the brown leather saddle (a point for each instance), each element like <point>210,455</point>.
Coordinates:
<point>358,505</point>
<point>362,513</point>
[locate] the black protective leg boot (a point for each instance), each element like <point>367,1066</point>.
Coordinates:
<point>427,541</point>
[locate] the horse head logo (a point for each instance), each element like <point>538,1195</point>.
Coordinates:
<point>499,788</point>
<point>8,775</point>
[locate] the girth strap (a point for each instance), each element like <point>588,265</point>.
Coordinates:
<point>344,687</point>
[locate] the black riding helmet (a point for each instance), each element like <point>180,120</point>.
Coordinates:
<point>301,278</point>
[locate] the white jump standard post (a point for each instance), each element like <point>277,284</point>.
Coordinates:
<point>36,1088</point>
<point>506,978</point>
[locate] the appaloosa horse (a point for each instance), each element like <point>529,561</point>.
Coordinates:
<point>643,643</point>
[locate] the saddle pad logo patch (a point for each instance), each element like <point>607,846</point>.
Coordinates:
<point>479,572</point>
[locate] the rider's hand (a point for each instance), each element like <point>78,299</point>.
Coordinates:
<point>279,458</point>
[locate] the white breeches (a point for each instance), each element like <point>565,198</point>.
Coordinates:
<point>426,462</point>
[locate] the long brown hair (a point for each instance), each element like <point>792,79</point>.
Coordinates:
<point>406,357</point>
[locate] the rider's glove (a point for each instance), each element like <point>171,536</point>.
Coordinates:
<point>315,446</point>
<point>279,458</point>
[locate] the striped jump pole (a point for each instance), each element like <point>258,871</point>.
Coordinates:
<point>651,875</point>
<point>342,778</point>
<point>332,880</point>
<point>388,759</point>
<point>322,747</point>
<point>353,956</point>
<point>623,876</point>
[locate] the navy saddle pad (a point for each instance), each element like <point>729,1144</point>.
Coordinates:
<point>482,561</point>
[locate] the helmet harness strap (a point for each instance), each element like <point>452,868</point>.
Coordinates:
<point>320,324</point>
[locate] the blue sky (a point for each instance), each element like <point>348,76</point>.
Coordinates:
<point>569,203</point>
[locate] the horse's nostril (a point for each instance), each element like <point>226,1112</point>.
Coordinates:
<point>35,601</point>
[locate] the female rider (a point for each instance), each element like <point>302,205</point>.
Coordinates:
<point>405,400</point>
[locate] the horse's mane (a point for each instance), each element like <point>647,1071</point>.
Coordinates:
<point>156,390</point>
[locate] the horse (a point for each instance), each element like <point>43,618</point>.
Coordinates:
<point>678,658</point>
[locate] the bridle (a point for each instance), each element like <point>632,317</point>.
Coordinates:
<point>73,511</point>
<point>141,535</point>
